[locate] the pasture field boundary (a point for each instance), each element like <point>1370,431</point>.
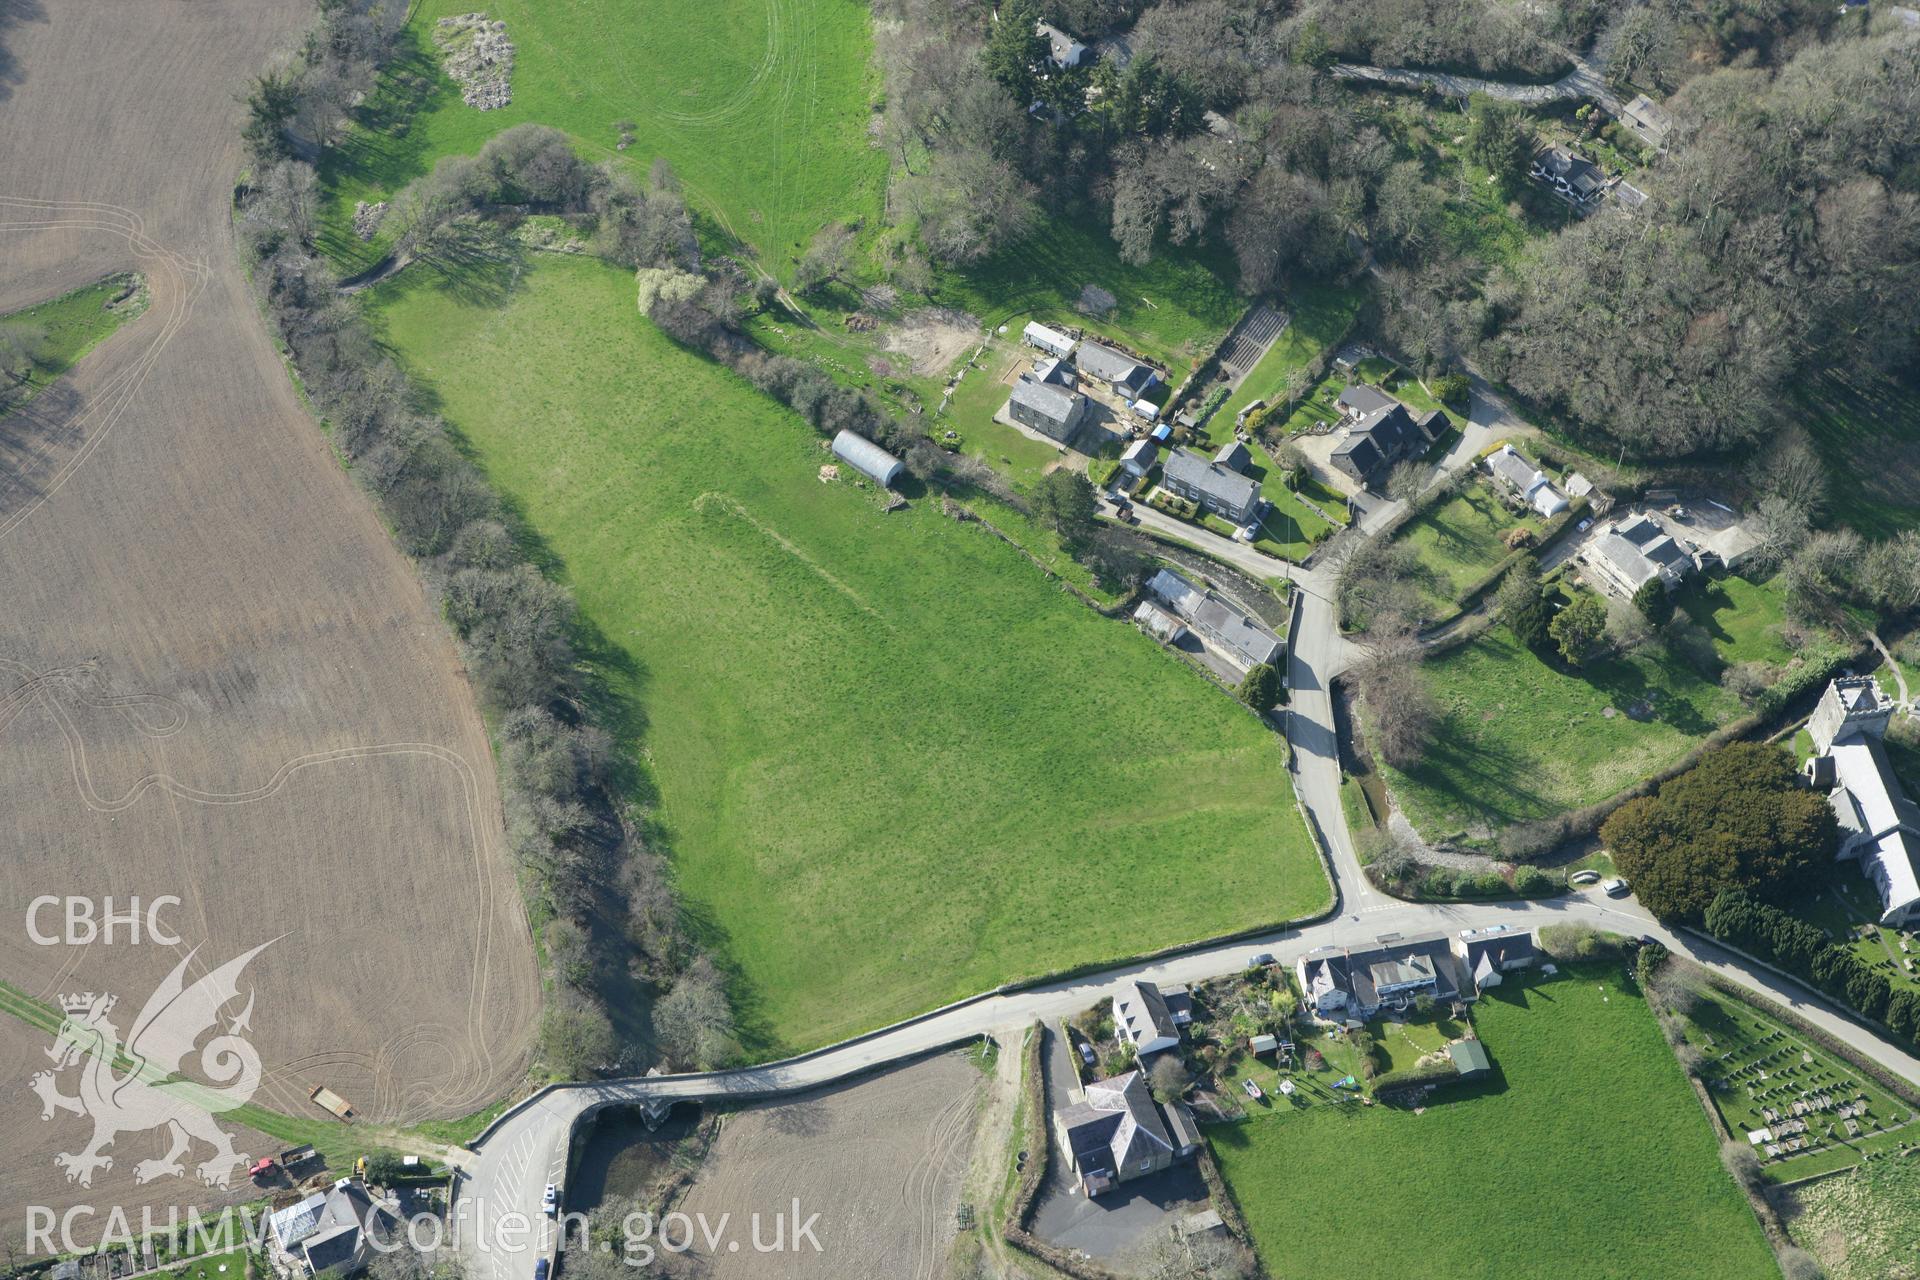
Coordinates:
<point>1090,969</point>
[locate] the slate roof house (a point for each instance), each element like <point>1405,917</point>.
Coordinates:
<point>1361,399</point>
<point>1175,592</point>
<point>1149,1019</point>
<point>1488,955</point>
<point>1053,411</point>
<point>1526,480</point>
<point>1344,984</point>
<point>1118,1133</point>
<point>1245,640</point>
<point>1879,825</point>
<point>1573,178</point>
<point>1242,638</point>
<point>1216,488</point>
<point>330,1229</point>
<point>1649,120</point>
<point>1635,550</point>
<point>1127,376</point>
<point>1062,49</point>
<point>1385,436</point>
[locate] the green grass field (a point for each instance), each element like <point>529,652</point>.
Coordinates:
<point>1585,1156</point>
<point>1522,740</point>
<point>1459,542</point>
<point>762,110</point>
<point>1173,309</point>
<point>1865,1225</point>
<point>75,323</point>
<point>1320,315</point>
<point>895,765</point>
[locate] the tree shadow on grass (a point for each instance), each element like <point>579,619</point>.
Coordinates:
<point>1486,780</point>
<point>12,14</point>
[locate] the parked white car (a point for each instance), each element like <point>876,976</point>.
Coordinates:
<point>1616,888</point>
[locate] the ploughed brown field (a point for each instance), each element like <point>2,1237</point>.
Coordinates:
<point>218,678</point>
<point>880,1160</point>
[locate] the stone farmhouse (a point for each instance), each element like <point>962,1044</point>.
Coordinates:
<point>1040,401</point>
<point>1634,551</point>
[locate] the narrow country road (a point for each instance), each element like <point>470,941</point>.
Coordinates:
<point>497,1215</point>
<point>1584,81</point>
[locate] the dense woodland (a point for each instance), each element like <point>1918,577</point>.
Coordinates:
<point>1783,236</point>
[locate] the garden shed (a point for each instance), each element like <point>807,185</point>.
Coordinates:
<point>1469,1058</point>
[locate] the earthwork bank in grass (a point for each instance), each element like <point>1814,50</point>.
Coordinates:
<point>761,106</point>
<point>895,765</point>
<point>1585,1155</point>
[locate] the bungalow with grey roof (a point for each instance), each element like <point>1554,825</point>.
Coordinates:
<point>1215,488</point>
<point>1137,458</point>
<point>1573,178</point>
<point>1127,376</point>
<point>1879,825</point>
<point>1053,411</point>
<point>1527,480</point>
<point>1360,399</point>
<point>1117,1133</point>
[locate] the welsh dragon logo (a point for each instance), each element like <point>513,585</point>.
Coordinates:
<point>136,1086</point>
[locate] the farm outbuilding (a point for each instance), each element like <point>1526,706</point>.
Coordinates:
<point>868,458</point>
<point>1051,341</point>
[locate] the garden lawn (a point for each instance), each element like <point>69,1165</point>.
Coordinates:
<point>1174,309</point>
<point>1586,1155</point>
<point>1458,542</point>
<point>1319,316</point>
<point>1744,617</point>
<point>762,109</point>
<point>895,765</point>
<point>1520,739</point>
